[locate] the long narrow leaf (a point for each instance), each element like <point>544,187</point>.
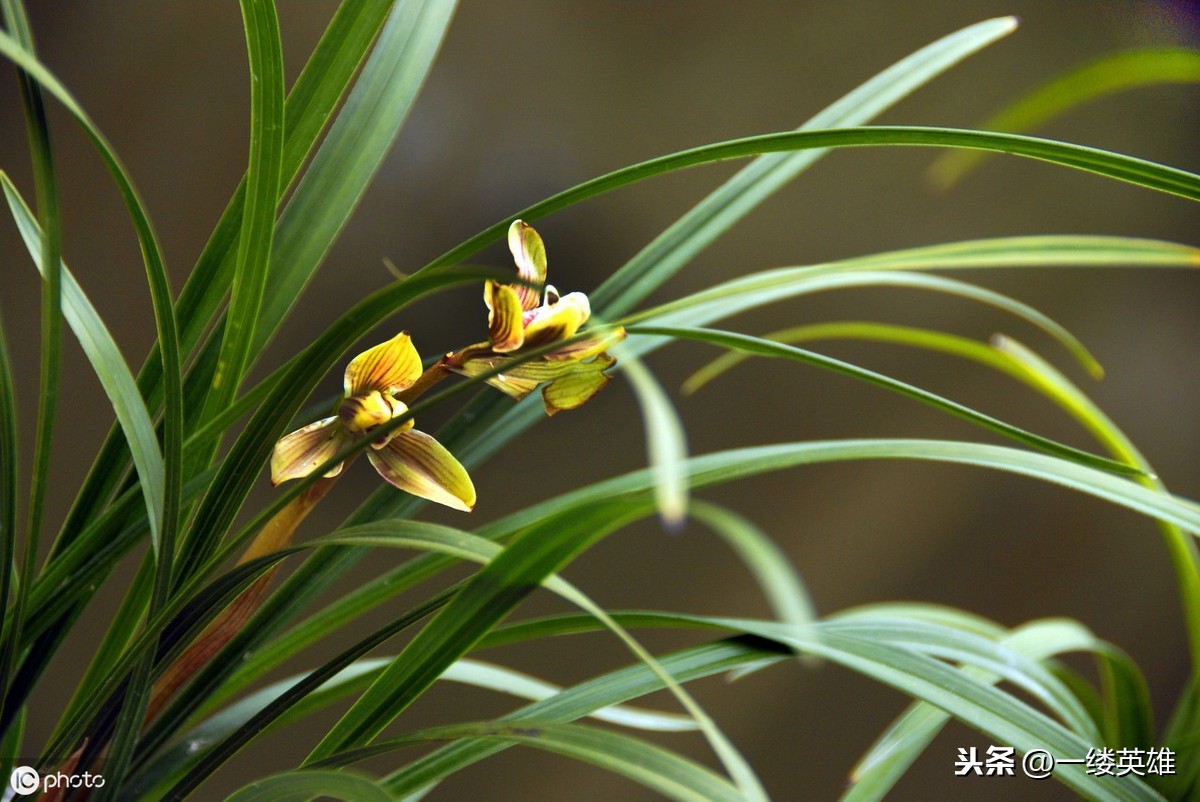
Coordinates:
<point>772,569</point>
<point>505,581</point>
<point>9,489</point>
<point>666,441</point>
<point>662,771</point>
<point>310,104</point>
<point>1104,76</point>
<point>262,194</point>
<point>352,151</point>
<point>110,368</point>
<point>763,347</point>
<point>301,786</point>
<point>927,339</point>
<point>50,249</point>
<point>157,278</point>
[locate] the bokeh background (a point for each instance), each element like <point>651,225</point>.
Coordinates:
<point>532,96</point>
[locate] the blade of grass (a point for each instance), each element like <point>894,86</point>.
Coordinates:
<point>300,786</point>
<point>693,232</point>
<point>46,187</point>
<point>262,194</point>
<point>262,181</point>
<point>666,440</point>
<point>311,102</point>
<point>770,566</point>
<point>1119,167</point>
<point>156,276</point>
<point>352,151</point>
<point>9,489</point>
<point>483,602</point>
<point>662,771</point>
<point>1116,72</point>
<point>927,339</point>
<point>770,348</point>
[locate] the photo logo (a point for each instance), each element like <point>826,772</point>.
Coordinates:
<point>25,780</point>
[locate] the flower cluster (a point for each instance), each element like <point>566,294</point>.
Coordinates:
<point>531,314</point>
<point>523,316</point>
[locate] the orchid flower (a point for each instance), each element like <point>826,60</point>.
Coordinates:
<point>532,314</point>
<point>412,461</point>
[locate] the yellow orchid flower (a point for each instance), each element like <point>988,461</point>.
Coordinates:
<point>532,314</point>
<point>412,461</point>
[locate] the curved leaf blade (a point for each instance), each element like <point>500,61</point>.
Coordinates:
<point>1117,72</point>
<point>771,348</point>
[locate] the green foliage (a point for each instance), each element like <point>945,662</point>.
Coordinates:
<point>175,487</point>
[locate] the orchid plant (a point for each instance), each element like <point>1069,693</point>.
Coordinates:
<point>187,673</point>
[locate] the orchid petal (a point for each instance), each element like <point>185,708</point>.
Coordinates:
<point>416,463</point>
<point>387,368</point>
<point>517,386</point>
<point>296,454</point>
<point>506,328</point>
<point>530,255</point>
<point>558,321</point>
<point>589,347</point>
<point>573,389</point>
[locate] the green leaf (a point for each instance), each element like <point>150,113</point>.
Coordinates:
<point>159,286</point>
<point>770,286</point>
<point>514,683</point>
<point>1120,167</point>
<point>301,786</point>
<point>770,566</point>
<point>724,466</point>
<point>762,347</point>
<point>484,600</point>
<point>49,252</point>
<point>648,764</point>
<point>352,151</point>
<point>927,339</point>
<point>262,194</point>
<point>721,209</point>
<point>573,703</point>
<point>184,753</point>
<point>1116,72</point>
<point>666,441</point>
<point>9,489</point>
<point>313,99</point>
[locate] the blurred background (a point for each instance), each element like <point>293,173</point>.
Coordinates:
<point>532,96</point>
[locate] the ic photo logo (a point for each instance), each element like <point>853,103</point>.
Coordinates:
<point>25,780</point>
